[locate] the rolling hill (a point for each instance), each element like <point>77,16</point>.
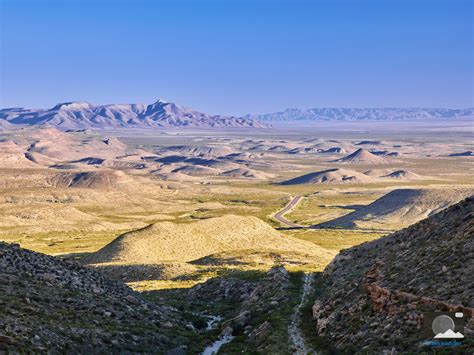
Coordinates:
<point>328,176</point>
<point>362,156</point>
<point>402,174</point>
<point>185,242</point>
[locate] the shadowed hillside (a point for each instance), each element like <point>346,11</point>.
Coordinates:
<point>51,304</point>
<point>328,176</point>
<point>372,296</point>
<point>399,208</point>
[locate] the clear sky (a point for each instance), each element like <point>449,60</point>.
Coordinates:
<point>236,57</point>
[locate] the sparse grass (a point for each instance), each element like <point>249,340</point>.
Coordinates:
<point>58,243</point>
<point>260,205</point>
<point>151,285</point>
<point>318,208</point>
<point>336,239</point>
<point>139,205</point>
<point>107,214</point>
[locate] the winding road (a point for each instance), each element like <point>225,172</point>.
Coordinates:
<point>279,216</point>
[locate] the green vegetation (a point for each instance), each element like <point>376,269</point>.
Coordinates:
<point>336,239</point>
<point>308,325</point>
<point>58,243</point>
<point>318,208</point>
<point>276,342</point>
<point>261,205</point>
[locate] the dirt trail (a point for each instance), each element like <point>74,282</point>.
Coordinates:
<point>279,216</point>
<point>294,330</point>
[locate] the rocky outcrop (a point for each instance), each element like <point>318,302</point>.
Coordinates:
<point>372,297</point>
<point>384,299</point>
<point>49,304</point>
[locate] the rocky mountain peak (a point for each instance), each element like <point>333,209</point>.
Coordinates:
<point>74,105</point>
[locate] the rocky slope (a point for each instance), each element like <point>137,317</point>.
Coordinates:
<point>371,297</point>
<point>161,114</point>
<point>52,305</point>
<point>57,305</point>
<point>350,114</point>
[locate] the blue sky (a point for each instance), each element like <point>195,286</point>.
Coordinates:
<point>236,57</point>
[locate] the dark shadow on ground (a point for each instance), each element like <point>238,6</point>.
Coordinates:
<point>290,228</point>
<point>350,207</point>
<point>74,256</point>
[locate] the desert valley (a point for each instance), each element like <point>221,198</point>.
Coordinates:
<point>160,229</point>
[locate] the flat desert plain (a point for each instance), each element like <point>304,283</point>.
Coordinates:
<point>173,208</point>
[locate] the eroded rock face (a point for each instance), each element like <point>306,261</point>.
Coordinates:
<point>261,332</point>
<point>373,296</point>
<point>54,304</point>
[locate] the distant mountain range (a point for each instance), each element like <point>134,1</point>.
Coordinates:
<point>82,115</point>
<point>162,114</point>
<point>352,114</point>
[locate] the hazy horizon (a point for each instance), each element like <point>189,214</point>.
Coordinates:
<point>251,113</point>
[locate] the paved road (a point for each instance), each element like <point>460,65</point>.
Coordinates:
<point>279,216</point>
